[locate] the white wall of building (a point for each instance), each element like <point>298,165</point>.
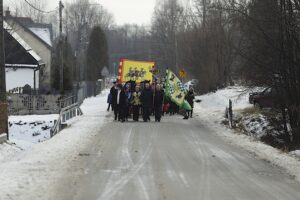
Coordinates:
<point>20,77</point>
<point>39,48</point>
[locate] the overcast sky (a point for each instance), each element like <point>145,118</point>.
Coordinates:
<point>124,11</point>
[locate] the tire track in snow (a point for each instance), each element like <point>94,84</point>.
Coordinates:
<point>127,139</point>
<point>113,187</point>
<point>196,146</point>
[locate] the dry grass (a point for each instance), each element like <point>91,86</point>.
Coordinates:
<point>250,111</point>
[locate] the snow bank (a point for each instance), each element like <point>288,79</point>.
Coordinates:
<point>295,153</point>
<point>28,176</point>
<point>218,101</point>
<point>30,129</point>
<point>8,151</point>
<point>211,112</point>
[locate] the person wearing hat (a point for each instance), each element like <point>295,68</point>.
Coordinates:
<point>147,102</point>
<point>112,96</point>
<point>190,99</point>
<point>158,102</point>
<point>120,101</point>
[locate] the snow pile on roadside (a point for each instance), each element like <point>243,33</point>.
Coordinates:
<point>211,112</point>
<point>28,176</point>
<point>30,129</point>
<point>218,101</point>
<point>8,151</point>
<point>295,153</point>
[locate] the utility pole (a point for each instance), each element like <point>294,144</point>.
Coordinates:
<point>61,45</point>
<point>3,103</point>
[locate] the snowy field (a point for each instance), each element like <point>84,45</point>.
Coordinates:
<point>211,110</point>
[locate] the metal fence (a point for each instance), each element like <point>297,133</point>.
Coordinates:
<point>25,104</point>
<point>66,113</point>
<point>22,104</point>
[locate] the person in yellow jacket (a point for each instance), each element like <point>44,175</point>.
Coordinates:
<point>136,103</point>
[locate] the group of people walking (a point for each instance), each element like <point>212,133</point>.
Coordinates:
<point>133,100</point>
<point>127,101</point>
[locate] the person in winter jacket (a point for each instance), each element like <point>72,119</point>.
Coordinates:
<point>109,101</point>
<point>114,92</point>
<point>147,102</point>
<point>127,107</point>
<point>158,103</point>
<point>136,103</point>
<point>120,103</point>
<point>190,99</point>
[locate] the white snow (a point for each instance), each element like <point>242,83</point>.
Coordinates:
<point>295,153</point>
<point>8,151</point>
<point>218,101</point>
<point>26,176</point>
<point>42,33</point>
<point>211,112</point>
<point>30,129</point>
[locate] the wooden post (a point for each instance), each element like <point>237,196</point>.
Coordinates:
<point>288,124</point>
<point>3,101</point>
<point>230,114</point>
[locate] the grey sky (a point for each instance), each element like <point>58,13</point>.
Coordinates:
<point>124,11</point>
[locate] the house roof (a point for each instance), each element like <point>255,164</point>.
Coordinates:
<point>26,46</point>
<point>43,32</point>
<point>23,66</point>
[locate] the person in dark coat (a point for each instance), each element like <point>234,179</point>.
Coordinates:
<point>119,101</point>
<point>111,95</point>
<point>123,102</point>
<point>190,99</point>
<point>114,92</point>
<point>128,92</point>
<point>158,103</point>
<point>147,102</point>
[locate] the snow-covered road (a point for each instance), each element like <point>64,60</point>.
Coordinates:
<point>175,159</point>
<point>98,159</point>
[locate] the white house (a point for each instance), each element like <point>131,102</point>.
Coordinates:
<point>28,60</point>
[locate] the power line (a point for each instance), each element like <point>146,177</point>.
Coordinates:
<point>42,11</point>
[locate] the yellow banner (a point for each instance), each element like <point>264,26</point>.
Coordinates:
<point>138,71</point>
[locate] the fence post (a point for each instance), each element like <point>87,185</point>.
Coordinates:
<point>34,104</point>
<point>4,119</point>
<point>288,124</point>
<point>230,114</point>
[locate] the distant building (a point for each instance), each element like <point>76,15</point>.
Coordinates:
<point>28,53</point>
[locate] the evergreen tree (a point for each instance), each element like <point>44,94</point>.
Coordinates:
<point>97,54</point>
<point>68,63</point>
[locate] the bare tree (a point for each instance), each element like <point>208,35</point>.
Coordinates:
<point>167,20</point>
<point>80,18</point>
<point>35,9</point>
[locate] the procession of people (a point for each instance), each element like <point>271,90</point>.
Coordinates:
<point>131,101</point>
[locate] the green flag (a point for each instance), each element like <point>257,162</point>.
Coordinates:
<point>176,91</point>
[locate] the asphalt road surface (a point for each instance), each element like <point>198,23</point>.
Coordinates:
<point>171,160</point>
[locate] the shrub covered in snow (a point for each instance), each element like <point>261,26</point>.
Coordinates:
<point>265,126</point>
